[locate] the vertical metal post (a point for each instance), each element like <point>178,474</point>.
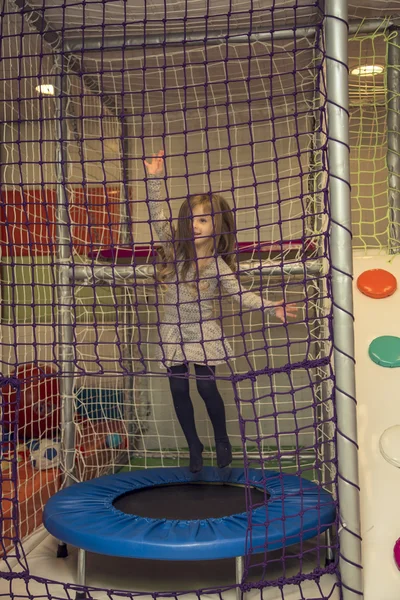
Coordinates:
<point>81,574</point>
<point>65,326</point>
<point>393,139</point>
<point>129,325</point>
<point>239,563</point>
<point>2,181</point>
<point>126,217</point>
<point>316,185</point>
<point>342,287</point>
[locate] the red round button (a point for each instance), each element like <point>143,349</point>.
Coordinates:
<point>377,283</point>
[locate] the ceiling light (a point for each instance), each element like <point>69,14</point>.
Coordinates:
<point>367,70</point>
<point>45,88</point>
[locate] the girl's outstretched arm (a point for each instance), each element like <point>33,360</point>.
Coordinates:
<point>159,221</point>
<point>249,299</point>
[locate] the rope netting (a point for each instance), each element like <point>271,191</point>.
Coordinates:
<point>126,287</point>
<point>368,142</point>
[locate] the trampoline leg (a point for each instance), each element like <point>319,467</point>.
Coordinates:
<point>62,550</point>
<point>239,575</point>
<point>330,556</point>
<point>81,575</point>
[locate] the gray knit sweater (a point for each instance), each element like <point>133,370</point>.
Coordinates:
<point>190,329</point>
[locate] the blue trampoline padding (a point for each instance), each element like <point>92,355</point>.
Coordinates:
<point>83,515</point>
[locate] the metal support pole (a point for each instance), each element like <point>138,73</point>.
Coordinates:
<point>393,139</point>
<point>81,573</point>
<point>239,575</point>
<point>317,183</point>
<point>129,325</point>
<point>210,37</point>
<point>100,273</point>
<point>342,287</point>
<point>126,217</point>
<point>65,328</point>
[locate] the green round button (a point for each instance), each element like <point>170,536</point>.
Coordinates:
<point>385,351</point>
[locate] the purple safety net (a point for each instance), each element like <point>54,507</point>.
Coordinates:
<point>133,278</point>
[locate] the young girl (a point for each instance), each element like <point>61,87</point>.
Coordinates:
<point>199,258</point>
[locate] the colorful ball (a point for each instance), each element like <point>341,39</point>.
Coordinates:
<point>45,454</point>
<point>113,440</point>
<point>396,552</point>
<point>39,405</point>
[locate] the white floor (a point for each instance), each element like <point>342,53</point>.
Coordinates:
<point>140,575</point>
<point>378,397</point>
<point>378,393</point>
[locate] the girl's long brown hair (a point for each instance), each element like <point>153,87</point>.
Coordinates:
<point>181,249</point>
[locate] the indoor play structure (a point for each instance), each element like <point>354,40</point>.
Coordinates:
<point>279,107</point>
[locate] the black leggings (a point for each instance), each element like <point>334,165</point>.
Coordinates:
<point>207,388</point>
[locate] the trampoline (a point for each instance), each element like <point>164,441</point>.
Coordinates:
<point>172,514</point>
